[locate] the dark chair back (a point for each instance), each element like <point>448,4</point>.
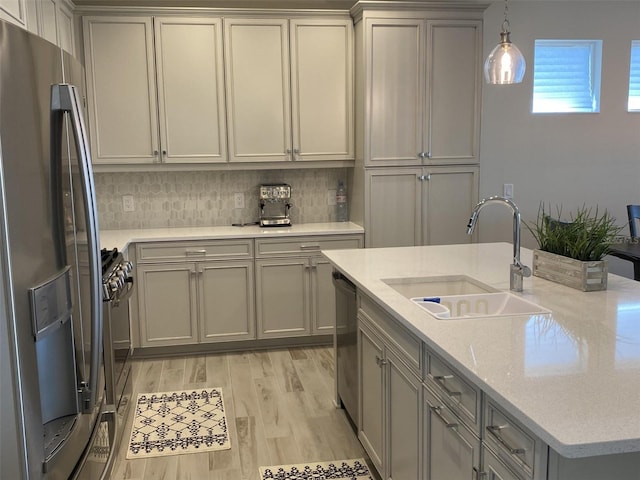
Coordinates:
<point>633,211</point>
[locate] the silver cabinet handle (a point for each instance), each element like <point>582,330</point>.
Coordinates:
<point>310,246</point>
<point>441,379</point>
<point>437,410</point>
<point>420,154</point>
<point>380,361</point>
<point>195,252</point>
<point>477,475</point>
<point>494,430</point>
<point>427,154</point>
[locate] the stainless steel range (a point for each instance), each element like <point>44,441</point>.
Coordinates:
<point>117,287</point>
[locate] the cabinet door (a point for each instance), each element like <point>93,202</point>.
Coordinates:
<point>321,89</point>
<point>190,79</point>
<point>393,207</point>
<point>258,91</point>
<point>404,407</point>
<point>64,18</point>
<point>168,307</point>
<point>450,193</point>
<point>494,469</point>
<point>226,299</point>
<point>121,89</point>
<point>394,123</point>
<point>451,451</point>
<point>453,94</point>
<point>282,297</point>
<point>14,11</point>
<point>47,20</point>
<point>323,294</point>
<point>371,388</point>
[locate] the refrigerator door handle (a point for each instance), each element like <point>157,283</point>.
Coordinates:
<point>65,99</point>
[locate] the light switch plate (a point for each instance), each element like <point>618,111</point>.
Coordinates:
<point>238,200</point>
<point>128,204</point>
<point>508,190</point>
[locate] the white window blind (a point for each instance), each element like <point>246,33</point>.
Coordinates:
<point>566,76</point>
<point>634,77</point>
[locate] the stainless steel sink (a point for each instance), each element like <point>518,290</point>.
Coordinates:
<point>478,305</point>
<point>438,286</point>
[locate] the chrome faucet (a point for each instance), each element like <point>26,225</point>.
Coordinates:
<point>518,270</point>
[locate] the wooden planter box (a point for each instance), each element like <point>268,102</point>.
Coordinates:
<point>585,276</point>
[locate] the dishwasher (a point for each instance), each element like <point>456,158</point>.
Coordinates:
<point>346,346</point>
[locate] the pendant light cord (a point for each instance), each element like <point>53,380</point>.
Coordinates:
<point>506,26</point>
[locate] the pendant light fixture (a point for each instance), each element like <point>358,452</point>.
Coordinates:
<point>505,64</point>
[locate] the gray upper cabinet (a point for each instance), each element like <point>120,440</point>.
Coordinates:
<point>421,104</point>
<point>121,89</point>
<point>299,106</point>
<point>155,89</point>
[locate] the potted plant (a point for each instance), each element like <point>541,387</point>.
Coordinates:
<point>571,252</point>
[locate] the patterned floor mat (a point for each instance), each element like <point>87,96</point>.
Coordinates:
<point>336,470</point>
<point>172,423</point>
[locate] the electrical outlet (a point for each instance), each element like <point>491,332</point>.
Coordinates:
<point>238,200</point>
<point>507,189</point>
<point>127,203</point>
<point>331,197</point>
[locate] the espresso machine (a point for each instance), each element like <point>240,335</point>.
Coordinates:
<point>275,205</point>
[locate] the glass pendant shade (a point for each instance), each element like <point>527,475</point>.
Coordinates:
<point>505,64</point>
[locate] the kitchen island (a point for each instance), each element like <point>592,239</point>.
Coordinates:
<point>571,378</point>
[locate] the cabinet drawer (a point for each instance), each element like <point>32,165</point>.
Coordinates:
<point>511,441</point>
<point>495,469</point>
<point>273,247</point>
<point>402,340</point>
<point>209,250</point>
<point>462,397</point>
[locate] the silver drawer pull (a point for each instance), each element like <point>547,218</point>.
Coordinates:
<point>441,379</point>
<point>380,361</point>
<point>494,431</point>
<point>313,246</point>
<point>195,252</point>
<point>437,410</point>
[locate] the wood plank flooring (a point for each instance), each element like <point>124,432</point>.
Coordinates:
<point>279,406</point>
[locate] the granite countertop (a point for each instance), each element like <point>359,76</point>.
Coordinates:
<point>572,377</point>
<point>121,239</point>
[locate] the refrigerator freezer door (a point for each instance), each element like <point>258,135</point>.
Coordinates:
<point>44,229</point>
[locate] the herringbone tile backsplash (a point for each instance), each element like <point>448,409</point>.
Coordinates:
<point>191,199</point>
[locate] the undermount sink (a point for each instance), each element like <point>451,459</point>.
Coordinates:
<point>495,304</point>
<point>437,286</point>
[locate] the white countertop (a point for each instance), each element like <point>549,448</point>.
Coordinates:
<point>121,239</point>
<point>572,377</point>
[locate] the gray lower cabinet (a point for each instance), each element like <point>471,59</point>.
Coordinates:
<point>451,450</point>
<point>294,291</point>
<point>195,292</point>
<point>283,301</point>
<point>168,309</point>
<point>390,411</point>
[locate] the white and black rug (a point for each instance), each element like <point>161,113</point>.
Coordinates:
<point>172,423</point>
<point>336,470</point>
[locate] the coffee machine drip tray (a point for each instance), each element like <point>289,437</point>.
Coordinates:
<point>275,222</point>
<point>275,205</point>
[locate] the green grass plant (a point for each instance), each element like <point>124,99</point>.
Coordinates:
<point>587,236</point>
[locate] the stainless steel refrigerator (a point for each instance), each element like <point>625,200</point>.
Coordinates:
<point>51,368</point>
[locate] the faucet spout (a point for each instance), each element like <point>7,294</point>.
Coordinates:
<point>518,270</point>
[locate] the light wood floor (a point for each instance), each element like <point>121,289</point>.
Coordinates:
<point>279,406</point>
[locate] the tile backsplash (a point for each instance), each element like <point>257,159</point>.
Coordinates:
<point>206,198</point>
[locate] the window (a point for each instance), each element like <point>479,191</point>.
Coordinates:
<point>566,76</point>
<point>634,77</point>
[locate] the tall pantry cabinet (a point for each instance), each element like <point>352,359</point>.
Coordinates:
<point>418,94</point>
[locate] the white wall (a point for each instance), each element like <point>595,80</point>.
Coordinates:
<point>568,159</point>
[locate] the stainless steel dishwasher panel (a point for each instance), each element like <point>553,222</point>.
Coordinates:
<point>346,346</point>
